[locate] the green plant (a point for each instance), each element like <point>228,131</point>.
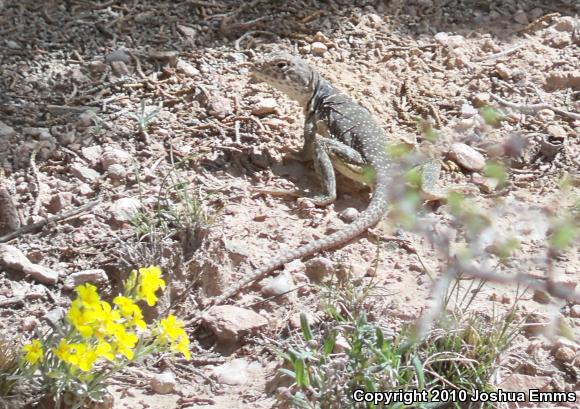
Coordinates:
<point>71,363</point>
<point>144,118</point>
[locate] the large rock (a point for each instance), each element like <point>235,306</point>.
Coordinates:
<point>13,259</point>
<point>230,323</point>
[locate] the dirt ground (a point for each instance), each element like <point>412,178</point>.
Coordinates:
<point>76,76</point>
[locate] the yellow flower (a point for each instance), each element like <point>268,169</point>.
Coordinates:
<point>149,281</point>
<point>34,352</point>
<point>88,295</point>
<point>130,311</point>
<point>125,342</point>
<point>105,320</point>
<point>105,350</point>
<point>172,332</point>
<point>81,318</point>
<point>63,350</point>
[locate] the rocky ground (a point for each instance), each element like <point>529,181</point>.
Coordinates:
<point>113,110</point>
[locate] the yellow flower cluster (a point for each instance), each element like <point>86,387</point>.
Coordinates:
<point>171,332</point>
<point>105,332</point>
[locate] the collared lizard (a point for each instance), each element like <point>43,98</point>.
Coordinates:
<point>350,140</point>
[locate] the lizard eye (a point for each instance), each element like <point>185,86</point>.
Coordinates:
<point>281,64</point>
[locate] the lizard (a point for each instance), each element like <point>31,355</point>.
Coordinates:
<point>350,140</point>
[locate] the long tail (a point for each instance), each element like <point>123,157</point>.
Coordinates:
<point>368,218</point>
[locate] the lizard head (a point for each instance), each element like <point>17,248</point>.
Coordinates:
<point>288,74</point>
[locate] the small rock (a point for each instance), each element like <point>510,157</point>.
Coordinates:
<point>117,55</point>
<point>575,311</point>
<point>565,354</point>
<point>86,119</point>
<point>545,115</point>
<point>96,67</point>
<point>265,106</point>
<point>219,107</point>
<point>234,372</point>
<point>521,17</point>
<point>187,31</point>
<point>166,56</point>
<point>318,268</point>
<point>481,99</point>
<point>281,284</point>
<point>567,24</point>
<point>467,111</point>
<point>541,297</point>
<point>92,154</point>
<point>503,71</point>
<point>163,383</point>
<point>113,156</point>
<point>12,44</point>
<point>83,173</point>
<point>124,209</point>
<point>6,131</point>
<point>349,215</point>
<point>451,41</point>
<point>187,68</point>
<point>119,68</point>
<point>117,172</point>
<point>556,131</point>
<point>95,276</point>
<point>558,39</point>
<point>60,201</point>
<point>318,48</point>
<point>13,259</point>
<point>467,157</point>
<point>519,382</point>
<point>230,323</point>
<point>341,345</point>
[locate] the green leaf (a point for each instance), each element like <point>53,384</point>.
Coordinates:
<point>496,171</point>
<point>491,116</point>
<point>419,370</point>
<point>329,344</point>
<point>302,379</point>
<point>306,331</point>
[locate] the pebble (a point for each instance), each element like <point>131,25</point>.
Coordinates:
<point>219,107</point>
<point>6,131</point>
<point>557,131</point>
<point>163,383</point>
<point>186,31</point>
<point>92,154</point>
<point>119,68</point>
<point>567,24</point>
<point>503,71</point>
<point>281,284</point>
<point>521,17</point>
<point>117,55</point>
<point>481,99</point>
<point>451,41</point>
<point>545,115</point>
<point>318,48</point>
<point>234,372</point>
<point>341,345</point>
<point>113,156</point>
<point>349,215</point>
<point>83,173</point>
<point>467,110</point>
<point>12,258</point>
<point>230,323</point>
<point>95,276</point>
<point>187,68</point>
<point>124,209</point>
<point>467,157</point>
<point>317,268</point>
<point>60,201</point>
<point>265,106</point>
<point>564,354</point>
<point>541,297</point>
<point>117,172</point>
<point>575,311</point>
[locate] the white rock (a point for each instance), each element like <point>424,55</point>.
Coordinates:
<point>83,173</point>
<point>60,201</point>
<point>281,284</point>
<point>467,157</point>
<point>13,259</point>
<point>348,215</point>
<point>565,354</point>
<point>341,345</point>
<point>234,372</point>
<point>6,131</point>
<point>95,276</point>
<point>163,383</point>
<point>503,71</point>
<point>230,323</point>
<point>92,154</point>
<point>567,24</point>
<point>451,41</point>
<point>575,311</point>
<point>317,268</point>
<point>117,172</point>
<point>124,209</point>
<point>318,48</point>
<point>467,110</point>
<point>265,106</point>
<point>187,68</point>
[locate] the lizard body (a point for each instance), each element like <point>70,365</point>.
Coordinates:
<point>351,141</point>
